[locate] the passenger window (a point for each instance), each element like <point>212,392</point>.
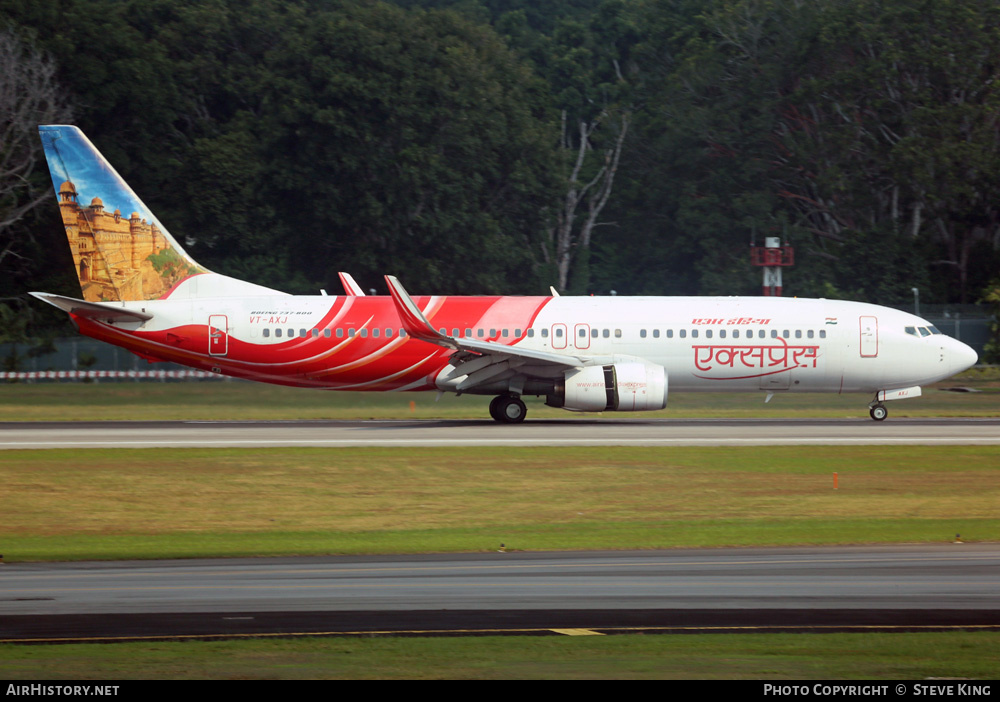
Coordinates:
<point>504,333</point>
<point>784,333</point>
<point>559,332</point>
<point>694,333</point>
<point>315,333</point>
<point>642,333</point>
<point>277,333</point>
<point>545,333</point>
<point>774,333</point>
<point>583,332</point>
<point>402,333</point>
<point>351,332</point>
<point>736,333</point>
<point>670,333</point>
<point>798,333</point>
<point>682,333</point>
<point>291,333</point>
<point>531,333</point>
<point>517,333</point>
<point>656,333</point>
<point>761,333</point>
<point>822,333</point>
<point>593,333</point>
<point>388,332</point>
<point>810,333</point>
<point>708,333</point>
<point>267,333</point>
<point>722,333</point>
<point>479,333</point>
<point>454,332</point>
<point>606,333</point>
<point>340,332</point>
<point>618,333</point>
<point>468,333</point>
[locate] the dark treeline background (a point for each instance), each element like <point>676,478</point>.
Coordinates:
<point>502,146</point>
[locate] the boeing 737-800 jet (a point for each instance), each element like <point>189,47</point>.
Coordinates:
<point>143,292</point>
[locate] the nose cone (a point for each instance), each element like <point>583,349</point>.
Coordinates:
<point>959,356</point>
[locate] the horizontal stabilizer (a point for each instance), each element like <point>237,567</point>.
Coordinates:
<point>100,311</point>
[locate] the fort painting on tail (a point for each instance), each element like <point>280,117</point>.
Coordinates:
<point>141,290</point>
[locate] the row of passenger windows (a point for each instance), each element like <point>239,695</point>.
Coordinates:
<point>582,332</point>
<point>747,333</point>
<point>340,332</point>
<point>389,332</point>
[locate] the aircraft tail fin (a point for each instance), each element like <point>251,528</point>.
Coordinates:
<point>121,251</point>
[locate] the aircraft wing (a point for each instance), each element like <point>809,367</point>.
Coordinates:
<point>101,311</point>
<point>417,326</point>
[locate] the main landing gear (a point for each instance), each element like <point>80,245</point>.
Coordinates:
<point>508,409</point>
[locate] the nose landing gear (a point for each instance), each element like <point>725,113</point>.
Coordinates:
<point>878,412</point>
<point>508,409</point>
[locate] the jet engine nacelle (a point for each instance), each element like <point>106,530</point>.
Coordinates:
<point>631,386</point>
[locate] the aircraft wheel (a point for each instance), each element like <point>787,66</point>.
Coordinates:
<point>878,412</point>
<point>508,409</point>
<point>495,408</point>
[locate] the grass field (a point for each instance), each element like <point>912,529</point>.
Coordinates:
<point>148,503</point>
<point>110,504</point>
<point>904,656</point>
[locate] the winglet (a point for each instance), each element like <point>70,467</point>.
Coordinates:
<point>414,322</point>
<point>351,287</point>
<point>417,326</point>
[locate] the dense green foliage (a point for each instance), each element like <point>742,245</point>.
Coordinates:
<point>435,139</point>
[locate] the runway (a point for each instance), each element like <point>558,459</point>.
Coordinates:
<point>889,588</point>
<point>584,431</point>
<point>775,589</point>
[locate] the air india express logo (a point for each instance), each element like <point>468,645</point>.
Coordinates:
<point>764,359</point>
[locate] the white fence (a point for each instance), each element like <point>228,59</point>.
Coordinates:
<point>110,375</point>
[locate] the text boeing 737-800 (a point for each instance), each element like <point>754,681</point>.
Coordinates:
<point>141,291</point>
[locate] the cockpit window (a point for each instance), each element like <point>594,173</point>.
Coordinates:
<point>924,331</point>
<point>911,330</point>
<point>934,330</point>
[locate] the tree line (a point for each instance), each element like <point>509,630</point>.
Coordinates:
<point>487,146</point>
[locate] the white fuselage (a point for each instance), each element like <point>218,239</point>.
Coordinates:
<point>703,343</point>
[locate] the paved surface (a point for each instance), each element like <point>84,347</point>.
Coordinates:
<point>562,432</point>
<point>843,588</point>
<point>889,587</point>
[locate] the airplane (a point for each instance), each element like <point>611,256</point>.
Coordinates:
<point>141,290</point>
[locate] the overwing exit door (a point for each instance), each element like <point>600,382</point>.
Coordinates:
<point>218,335</point>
